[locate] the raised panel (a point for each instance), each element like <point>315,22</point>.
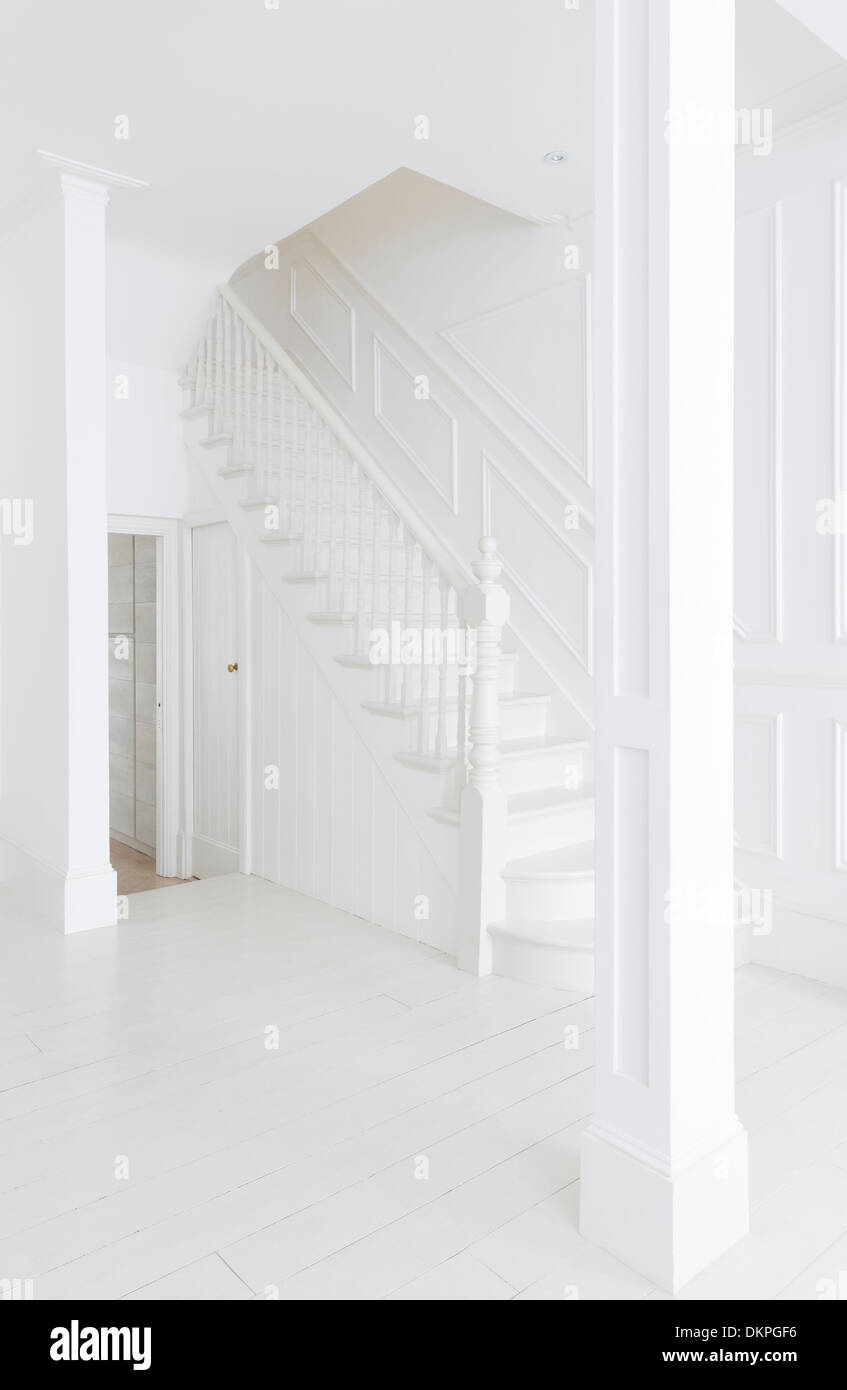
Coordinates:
<point>839,396</point>
<point>326,317</point>
<point>421,426</point>
<point>758,784</point>
<point>539,560</point>
<point>631,912</point>
<point>841,796</point>
<point>758,427</point>
<point>547,381</point>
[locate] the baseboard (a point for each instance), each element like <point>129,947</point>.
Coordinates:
<point>803,943</point>
<point>69,901</point>
<point>210,858</point>
<point>132,843</point>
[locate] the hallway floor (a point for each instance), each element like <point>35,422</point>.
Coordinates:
<point>240,1092</point>
<point>136,871</point>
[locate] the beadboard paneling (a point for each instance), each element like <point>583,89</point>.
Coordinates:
<point>332,827</point>
<point>215,628</point>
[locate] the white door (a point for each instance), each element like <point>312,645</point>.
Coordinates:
<point>217,792</point>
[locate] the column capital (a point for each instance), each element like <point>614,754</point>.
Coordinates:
<point>80,180</point>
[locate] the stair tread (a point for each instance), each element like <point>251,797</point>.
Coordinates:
<point>524,803</point>
<point>578,934</point>
<point>515,698</point>
<point>512,747</point>
<point>552,863</point>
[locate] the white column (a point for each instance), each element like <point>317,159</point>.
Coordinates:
<point>664,1162</point>
<point>90,886</point>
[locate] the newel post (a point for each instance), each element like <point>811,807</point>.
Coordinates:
<point>482,832</point>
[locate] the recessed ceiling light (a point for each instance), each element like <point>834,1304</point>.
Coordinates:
<point>555,157</point>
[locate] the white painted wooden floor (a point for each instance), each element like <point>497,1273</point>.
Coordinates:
<point>296,1171</point>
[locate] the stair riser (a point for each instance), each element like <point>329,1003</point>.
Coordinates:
<point>550,829</point>
<point>377,680</point>
<point>550,899</point>
<point>523,720</point>
<point>556,967</point>
<point>527,772</point>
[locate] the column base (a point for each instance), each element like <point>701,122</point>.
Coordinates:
<point>666,1226</point>
<point>90,899</point>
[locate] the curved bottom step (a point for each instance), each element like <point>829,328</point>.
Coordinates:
<point>557,954</point>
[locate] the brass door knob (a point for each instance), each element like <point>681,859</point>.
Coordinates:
<point>233,666</point>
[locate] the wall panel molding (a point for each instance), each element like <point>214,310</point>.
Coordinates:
<point>448,486</point>
<point>839,405</point>
<point>578,458</point>
<point>580,638</point>
<point>305,281</point>
<point>840,795</point>
<point>766,778</point>
<point>772,630</point>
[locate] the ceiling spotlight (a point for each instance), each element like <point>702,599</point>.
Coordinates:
<point>555,157</point>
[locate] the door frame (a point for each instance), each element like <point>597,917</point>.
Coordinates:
<point>170,838</point>
<point>212,516</point>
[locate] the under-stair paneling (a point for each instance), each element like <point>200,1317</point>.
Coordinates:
<point>324,819</point>
<point>217,785</point>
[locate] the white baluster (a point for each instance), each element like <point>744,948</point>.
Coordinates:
<point>200,384</point>
<point>248,394</point>
<point>332,567</point>
<point>346,529</point>
<point>217,417</point>
<point>482,834</point>
<point>227,369</point>
<point>259,473</point>
<point>428,578</point>
<point>280,382</point>
<point>377,504</point>
<point>293,413</point>
<point>360,563</point>
<point>309,489</point>
<point>238,423</point>
<point>440,645</point>
<point>393,529</point>
<point>408,594</point>
<point>209,392</point>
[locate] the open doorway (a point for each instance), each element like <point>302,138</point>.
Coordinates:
<point>144,810</point>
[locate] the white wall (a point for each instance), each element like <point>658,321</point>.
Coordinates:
<point>791,581</point>
<point>148,464</point>
<point>156,305</point>
<point>34,705</point>
<point>414,279</point>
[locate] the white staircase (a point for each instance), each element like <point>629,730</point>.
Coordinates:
<point>383,601</point>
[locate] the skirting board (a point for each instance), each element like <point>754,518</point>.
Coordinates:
<point>210,858</point>
<point>132,843</point>
<point>803,943</point>
<point>69,901</point>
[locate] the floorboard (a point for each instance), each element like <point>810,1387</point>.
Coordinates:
<point>242,1093</point>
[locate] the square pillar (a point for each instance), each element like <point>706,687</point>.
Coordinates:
<point>54,713</point>
<point>664,1162</point>
<point>91,886</point>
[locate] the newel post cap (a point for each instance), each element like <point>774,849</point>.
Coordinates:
<point>487,601</point>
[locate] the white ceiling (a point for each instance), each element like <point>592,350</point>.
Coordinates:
<point>783,65</point>
<point>248,122</point>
